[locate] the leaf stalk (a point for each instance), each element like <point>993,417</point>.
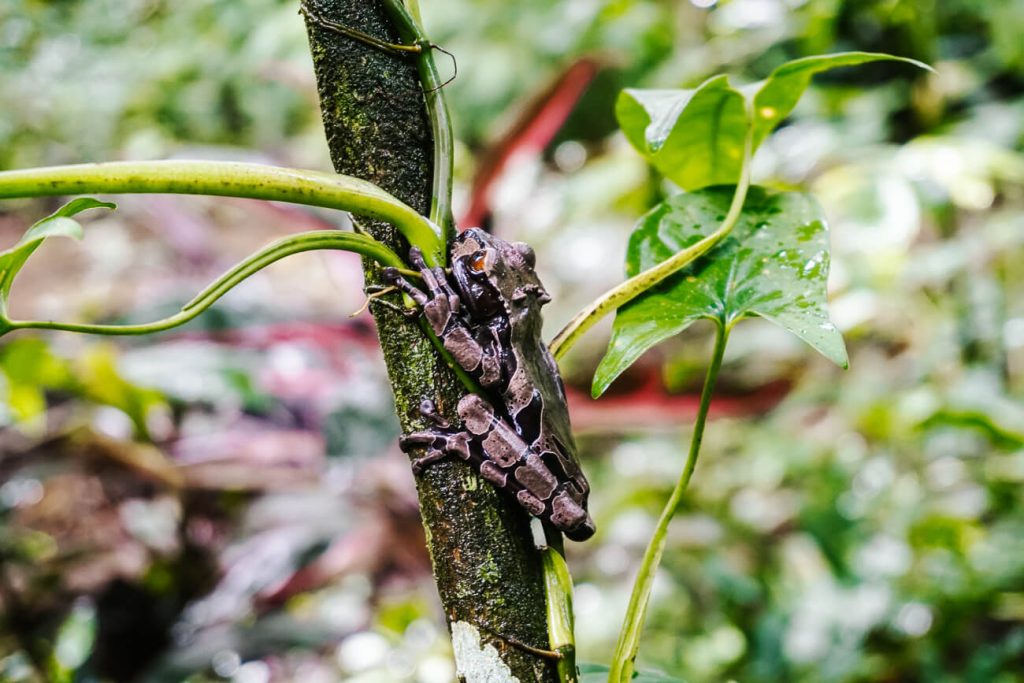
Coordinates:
<point>626,648</point>
<point>622,294</point>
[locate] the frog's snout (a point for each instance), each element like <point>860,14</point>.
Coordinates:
<point>583,531</point>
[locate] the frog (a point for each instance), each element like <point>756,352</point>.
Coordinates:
<point>516,433</point>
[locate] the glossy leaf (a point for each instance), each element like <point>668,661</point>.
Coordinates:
<point>774,264</point>
<point>696,137</point>
<point>58,224</point>
<point>775,97</point>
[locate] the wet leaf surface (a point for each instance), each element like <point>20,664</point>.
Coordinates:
<point>774,264</point>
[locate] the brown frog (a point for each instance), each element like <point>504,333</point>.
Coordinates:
<point>487,314</point>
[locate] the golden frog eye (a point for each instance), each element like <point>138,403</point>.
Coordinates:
<point>477,262</point>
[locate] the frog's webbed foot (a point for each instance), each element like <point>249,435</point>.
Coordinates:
<point>394,278</point>
<point>443,302</point>
<point>438,443</point>
<point>440,303</point>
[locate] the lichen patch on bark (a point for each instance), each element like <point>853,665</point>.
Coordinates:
<point>475,662</point>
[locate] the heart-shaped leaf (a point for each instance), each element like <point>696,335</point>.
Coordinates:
<point>696,137</point>
<point>58,224</point>
<point>774,264</point>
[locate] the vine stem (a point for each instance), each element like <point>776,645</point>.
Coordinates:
<point>309,241</point>
<point>231,179</point>
<point>628,644</point>
<point>408,22</point>
<point>638,284</point>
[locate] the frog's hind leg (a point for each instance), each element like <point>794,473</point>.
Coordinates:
<point>438,443</point>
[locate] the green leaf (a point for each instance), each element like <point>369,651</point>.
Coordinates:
<point>774,264</point>
<point>598,673</point>
<point>695,137</point>
<point>58,224</point>
<point>100,381</point>
<point>776,96</point>
<point>77,206</point>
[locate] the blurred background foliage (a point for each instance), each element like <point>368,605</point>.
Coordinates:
<point>226,502</point>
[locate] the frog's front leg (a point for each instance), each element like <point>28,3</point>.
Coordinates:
<point>441,308</point>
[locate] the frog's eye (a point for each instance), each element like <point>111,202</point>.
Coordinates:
<point>526,251</point>
<point>478,262</point>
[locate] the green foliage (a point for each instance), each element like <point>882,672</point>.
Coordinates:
<point>59,223</point>
<point>775,97</point>
<point>696,137</point>
<point>693,137</point>
<point>866,529</point>
<point>703,137</point>
<point>86,78</point>
<point>774,265</point>
<point>773,261</point>
<point>32,370</point>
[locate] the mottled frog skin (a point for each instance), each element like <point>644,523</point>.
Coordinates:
<point>487,314</point>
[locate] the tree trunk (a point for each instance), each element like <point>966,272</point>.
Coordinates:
<point>487,569</point>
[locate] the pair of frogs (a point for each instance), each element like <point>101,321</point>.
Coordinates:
<point>486,312</point>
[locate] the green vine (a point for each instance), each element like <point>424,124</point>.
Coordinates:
<point>231,179</point>
<point>408,24</point>
<point>309,241</point>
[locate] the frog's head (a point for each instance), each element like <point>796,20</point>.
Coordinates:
<point>495,276</point>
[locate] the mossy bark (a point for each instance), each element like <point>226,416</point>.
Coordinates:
<point>487,570</point>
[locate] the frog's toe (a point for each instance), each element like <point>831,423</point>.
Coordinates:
<point>416,258</point>
<point>432,456</point>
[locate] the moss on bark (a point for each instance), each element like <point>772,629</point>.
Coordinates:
<point>487,570</point>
